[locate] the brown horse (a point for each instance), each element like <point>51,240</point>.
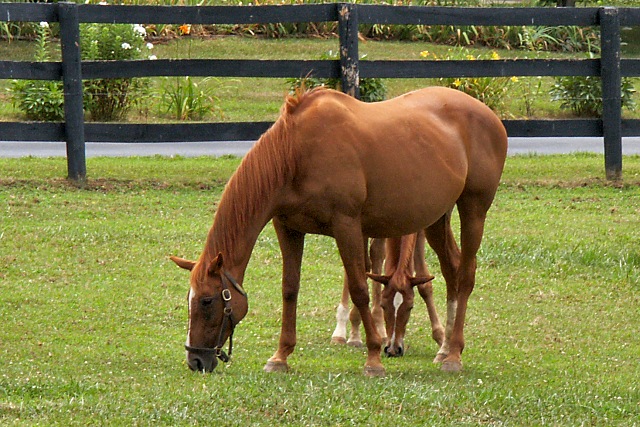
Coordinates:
<point>404,257</point>
<point>336,166</point>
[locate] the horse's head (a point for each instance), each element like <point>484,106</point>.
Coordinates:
<point>396,303</point>
<point>216,304</point>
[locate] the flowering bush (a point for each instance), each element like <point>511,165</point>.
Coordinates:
<point>104,99</point>
<point>110,99</point>
<point>490,90</point>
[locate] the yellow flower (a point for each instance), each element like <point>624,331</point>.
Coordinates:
<point>457,82</point>
<point>424,53</point>
<point>471,57</point>
<point>494,55</point>
<point>514,79</point>
<point>185,29</point>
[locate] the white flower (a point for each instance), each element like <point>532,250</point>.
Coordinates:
<point>126,46</point>
<point>153,57</point>
<point>140,30</point>
<point>44,24</point>
<point>149,46</point>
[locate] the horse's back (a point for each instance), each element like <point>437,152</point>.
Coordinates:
<point>432,127</point>
<point>385,159</point>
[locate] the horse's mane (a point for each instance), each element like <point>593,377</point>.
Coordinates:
<point>264,169</point>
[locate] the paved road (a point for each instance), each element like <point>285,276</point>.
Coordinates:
<point>55,149</point>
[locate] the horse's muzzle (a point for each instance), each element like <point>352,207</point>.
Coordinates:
<point>393,351</point>
<point>202,362</point>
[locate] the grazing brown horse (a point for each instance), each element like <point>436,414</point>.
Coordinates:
<point>336,166</point>
<point>404,257</point>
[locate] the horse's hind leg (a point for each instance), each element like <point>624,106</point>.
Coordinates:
<point>473,210</point>
<point>426,289</point>
<point>441,239</point>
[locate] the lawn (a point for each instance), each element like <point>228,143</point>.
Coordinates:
<point>94,313</point>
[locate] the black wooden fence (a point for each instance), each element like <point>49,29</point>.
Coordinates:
<point>71,70</point>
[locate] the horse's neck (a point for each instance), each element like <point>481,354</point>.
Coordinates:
<point>235,238</point>
<point>245,208</point>
<point>250,197</point>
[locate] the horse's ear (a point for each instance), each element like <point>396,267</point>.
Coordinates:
<point>215,266</point>
<point>379,278</point>
<point>415,281</point>
<point>183,263</point>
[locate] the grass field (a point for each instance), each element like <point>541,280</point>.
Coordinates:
<point>94,315</point>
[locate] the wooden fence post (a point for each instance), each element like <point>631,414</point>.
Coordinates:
<point>72,83</point>
<point>348,30</point>
<point>611,93</point>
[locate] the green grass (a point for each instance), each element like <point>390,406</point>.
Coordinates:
<point>94,314</point>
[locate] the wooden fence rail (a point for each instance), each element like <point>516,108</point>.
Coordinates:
<point>71,70</point>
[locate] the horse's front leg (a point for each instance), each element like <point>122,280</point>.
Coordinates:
<point>291,246</point>
<point>348,235</point>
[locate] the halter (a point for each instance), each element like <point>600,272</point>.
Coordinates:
<point>227,319</point>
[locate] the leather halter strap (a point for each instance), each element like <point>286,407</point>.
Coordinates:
<point>226,320</point>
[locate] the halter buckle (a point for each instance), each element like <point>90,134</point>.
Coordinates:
<point>226,294</point>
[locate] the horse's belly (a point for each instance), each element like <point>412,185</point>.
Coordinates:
<point>402,207</point>
<point>393,223</point>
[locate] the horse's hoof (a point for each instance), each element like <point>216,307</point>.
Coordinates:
<point>451,366</point>
<point>374,371</point>
<point>272,366</point>
<point>354,343</point>
<point>338,340</point>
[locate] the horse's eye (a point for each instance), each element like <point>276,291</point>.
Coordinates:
<point>206,301</point>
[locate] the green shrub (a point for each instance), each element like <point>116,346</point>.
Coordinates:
<point>40,100</point>
<point>582,95</point>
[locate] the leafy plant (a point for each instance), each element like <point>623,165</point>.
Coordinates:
<point>582,95</point>
<point>40,100</point>
<point>185,99</point>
